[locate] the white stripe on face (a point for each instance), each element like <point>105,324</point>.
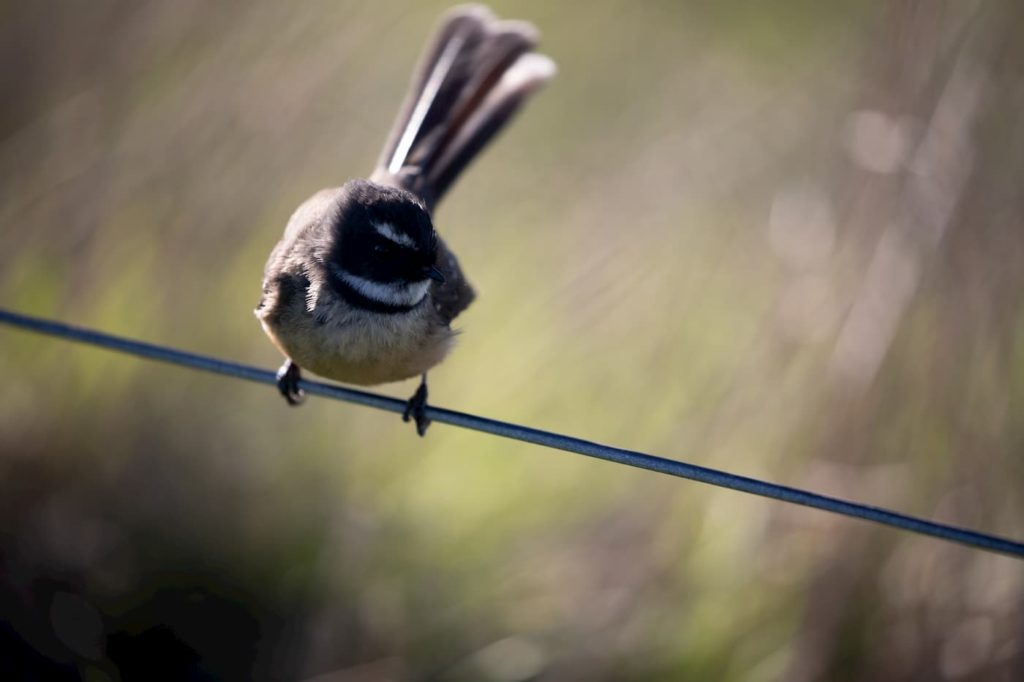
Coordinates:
<point>394,293</point>
<point>388,231</point>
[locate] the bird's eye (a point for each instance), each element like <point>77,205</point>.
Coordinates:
<point>382,249</point>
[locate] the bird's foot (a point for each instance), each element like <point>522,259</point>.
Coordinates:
<point>416,408</point>
<point>288,378</point>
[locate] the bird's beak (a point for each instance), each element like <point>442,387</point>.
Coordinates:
<point>433,273</point>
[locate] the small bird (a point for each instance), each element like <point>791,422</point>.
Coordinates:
<point>361,288</point>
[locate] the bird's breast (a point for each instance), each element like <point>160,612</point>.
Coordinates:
<point>360,347</point>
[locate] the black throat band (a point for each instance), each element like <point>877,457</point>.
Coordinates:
<point>356,299</point>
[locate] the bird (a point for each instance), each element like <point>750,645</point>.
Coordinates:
<point>361,288</point>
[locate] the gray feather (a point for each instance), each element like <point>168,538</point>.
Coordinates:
<point>472,78</point>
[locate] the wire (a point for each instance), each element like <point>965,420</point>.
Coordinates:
<point>527,434</point>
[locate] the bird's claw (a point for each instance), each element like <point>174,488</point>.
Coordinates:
<point>416,408</point>
<point>288,378</point>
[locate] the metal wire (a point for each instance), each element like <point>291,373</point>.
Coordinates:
<point>557,441</point>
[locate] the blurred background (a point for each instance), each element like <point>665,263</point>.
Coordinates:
<point>780,239</point>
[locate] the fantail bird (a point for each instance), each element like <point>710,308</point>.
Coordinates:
<point>361,288</point>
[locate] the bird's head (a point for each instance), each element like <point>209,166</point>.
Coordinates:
<point>384,248</point>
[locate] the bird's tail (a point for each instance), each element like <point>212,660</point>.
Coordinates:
<point>474,75</point>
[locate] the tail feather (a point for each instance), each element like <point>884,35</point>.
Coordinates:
<point>473,77</point>
<point>528,74</point>
<point>462,21</point>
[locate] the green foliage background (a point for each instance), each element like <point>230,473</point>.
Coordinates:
<point>630,293</point>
